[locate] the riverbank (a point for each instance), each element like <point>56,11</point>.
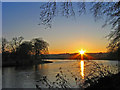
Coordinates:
<point>107,83</point>
<point>12,63</point>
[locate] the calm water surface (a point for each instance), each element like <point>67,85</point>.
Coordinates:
<point>26,77</point>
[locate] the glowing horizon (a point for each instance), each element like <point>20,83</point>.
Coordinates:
<point>77,51</point>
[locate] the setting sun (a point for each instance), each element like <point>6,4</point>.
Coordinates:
<point>81,51</point>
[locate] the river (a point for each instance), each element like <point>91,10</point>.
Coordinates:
<point>27,76</point>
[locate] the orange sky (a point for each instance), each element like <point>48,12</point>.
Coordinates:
<point>90,47</point>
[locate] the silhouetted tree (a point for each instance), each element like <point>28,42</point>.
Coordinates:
<point>4,44</point>
<point>15,43</point>
<point>24,50</point>
<point>39,47</point>
<point>49,10</point>
<point>111,12</point>
<point>5,52</point>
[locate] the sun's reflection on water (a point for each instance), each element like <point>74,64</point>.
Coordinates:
<point>82,68</point>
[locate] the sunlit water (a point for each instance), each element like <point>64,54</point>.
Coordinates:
<point>26,77</point>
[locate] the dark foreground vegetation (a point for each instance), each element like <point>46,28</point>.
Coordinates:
<point>107,83</point>
<point>19,52</point>
<point>110,82</point>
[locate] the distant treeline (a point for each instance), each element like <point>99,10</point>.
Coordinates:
<point>17,50</point>
<point>86,56</point>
